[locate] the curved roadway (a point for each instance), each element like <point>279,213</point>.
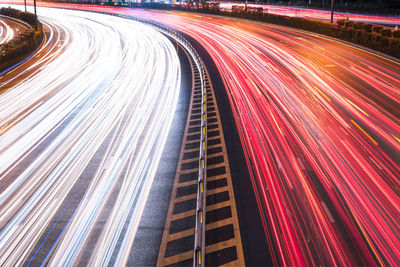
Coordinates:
<point>7,32</point>
<point>319,122</point>
<point>9,29</point>
<point>82,127</point>
<point>318,14</point>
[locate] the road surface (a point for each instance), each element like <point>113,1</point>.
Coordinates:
<point>314,14</point>
<point>9,29</point>
<point>319,123</point>
<point>82,127</point>
<point>317,14</point>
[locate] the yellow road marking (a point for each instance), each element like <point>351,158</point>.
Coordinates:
<point>362,130</point>
<point>357,107</point>
<point>322,93</point>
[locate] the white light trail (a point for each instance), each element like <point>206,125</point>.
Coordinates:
<point>6,32</point>
<point>96,104</point>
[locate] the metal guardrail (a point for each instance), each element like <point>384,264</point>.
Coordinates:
<point>200,231</point>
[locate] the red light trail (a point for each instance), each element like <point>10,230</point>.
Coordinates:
<point>316,14</point>
<point>319,122</point>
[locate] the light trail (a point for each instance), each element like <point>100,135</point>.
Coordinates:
<point>317,14</point>
<point>8,29</point>
<point>319,123</point>
<point>82,128</point>
<point>6,33</point>
<point>309,13</point>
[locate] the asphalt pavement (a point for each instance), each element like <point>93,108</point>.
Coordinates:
<point>84,122</point>
<point>147,242</point>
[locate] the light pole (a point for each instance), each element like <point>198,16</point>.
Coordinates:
<point>25,4</point>
<point>332,11</point>
<point>34,4</point>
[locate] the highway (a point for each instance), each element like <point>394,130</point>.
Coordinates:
<point>291,11</point>
<point>318,14</point>
<point>319,123</point>
<point>82,127</point>
<point>9,29</point>
<point>6,30</point>
<point>318,120</point>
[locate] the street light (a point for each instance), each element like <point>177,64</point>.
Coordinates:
<point>34,4</point>
<point>332,11</point>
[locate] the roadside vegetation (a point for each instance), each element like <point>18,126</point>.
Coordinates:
<point>382,39</point>
<point>381,7</point>
<point>23,44</point>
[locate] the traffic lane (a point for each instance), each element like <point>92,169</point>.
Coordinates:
<point>372,80</point>
<point>250,78</point>
<point>6,32</point>
<point>9,29</point>
<point>136,116</point>
<point>283,91</point>
<point>54,43</point>
<point>146,245</point>
<point>314,14</point>
<point>255,245</point>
